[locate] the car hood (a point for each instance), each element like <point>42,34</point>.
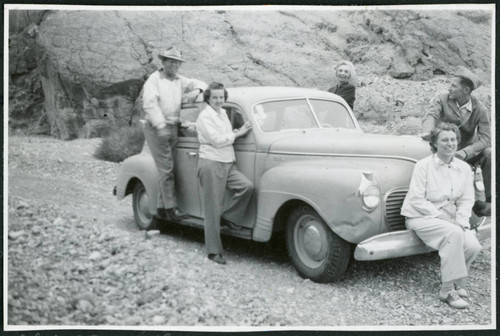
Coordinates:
<point>334,142</point>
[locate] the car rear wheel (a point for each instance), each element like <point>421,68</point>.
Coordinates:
<point>316,252</point>
<point>140,203</point>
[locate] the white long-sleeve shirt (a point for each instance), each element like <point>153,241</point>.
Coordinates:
<point>215,135</point>
<point>440,189</point>
<point>162,97</point>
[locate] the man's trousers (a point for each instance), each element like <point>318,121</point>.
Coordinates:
<point>215,178</point>
<point>457,248</point>
<point>484,159</point>
<point>162,149</point>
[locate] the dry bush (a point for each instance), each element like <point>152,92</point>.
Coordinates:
<point>120,144</point>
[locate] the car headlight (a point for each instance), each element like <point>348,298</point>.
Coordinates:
<point>369,192</point>
<point>371,197</point>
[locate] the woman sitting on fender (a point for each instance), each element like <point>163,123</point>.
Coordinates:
<point>438,207</point>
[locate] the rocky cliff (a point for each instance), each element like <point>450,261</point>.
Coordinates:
<point>78,73</point>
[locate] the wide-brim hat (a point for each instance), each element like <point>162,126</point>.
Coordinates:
<point>172,53</point>
<point>466,73</point>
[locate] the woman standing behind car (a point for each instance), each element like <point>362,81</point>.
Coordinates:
<point>217,170</point>
<point>438,207</point>
<point>345,74</point>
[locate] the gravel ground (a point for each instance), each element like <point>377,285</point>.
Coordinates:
<point>76,258</point>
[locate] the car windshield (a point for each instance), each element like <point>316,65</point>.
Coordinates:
<point>288,114</point>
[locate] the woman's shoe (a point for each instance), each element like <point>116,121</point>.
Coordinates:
<point>461,291</point>
<point>454,300</point>
<point>218,258</point>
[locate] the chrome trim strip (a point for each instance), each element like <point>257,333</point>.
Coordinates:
<point>404,158</point>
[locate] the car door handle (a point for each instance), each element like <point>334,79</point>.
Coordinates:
<point>191,154</point>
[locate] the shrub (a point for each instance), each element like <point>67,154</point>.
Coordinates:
<point>120,144</point>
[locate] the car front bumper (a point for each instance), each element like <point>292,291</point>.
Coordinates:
<point>401,244</point>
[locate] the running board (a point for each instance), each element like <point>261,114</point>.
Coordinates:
<point>401,244</point>
<point>197,222</point>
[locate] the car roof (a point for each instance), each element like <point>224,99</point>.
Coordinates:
<point>252,94</point>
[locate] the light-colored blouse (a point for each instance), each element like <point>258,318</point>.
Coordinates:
<point>215,135</point>
<point>440,189</point>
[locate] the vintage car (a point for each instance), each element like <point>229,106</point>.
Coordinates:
<point>329,189</point>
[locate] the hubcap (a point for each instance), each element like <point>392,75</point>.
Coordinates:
<point>310,241</point>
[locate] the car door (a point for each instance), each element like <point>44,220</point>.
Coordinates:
<point>186,164</point>
<point>245,148</point>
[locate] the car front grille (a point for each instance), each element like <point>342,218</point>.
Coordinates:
<point>393,201</point>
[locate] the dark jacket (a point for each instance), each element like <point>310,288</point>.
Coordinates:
<point>346,91</point>
<point>474,127</point>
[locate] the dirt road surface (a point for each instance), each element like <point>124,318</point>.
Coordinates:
<point>75,257</point>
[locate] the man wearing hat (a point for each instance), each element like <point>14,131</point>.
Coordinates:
<point>459,107</point>
<point>163,92</point>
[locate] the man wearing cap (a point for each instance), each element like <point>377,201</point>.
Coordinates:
<point>459,107</point>
<point>163,92</point>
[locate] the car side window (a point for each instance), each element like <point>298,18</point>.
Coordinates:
<point>235,116</point>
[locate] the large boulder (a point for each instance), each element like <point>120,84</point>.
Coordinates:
<point>92,64</point>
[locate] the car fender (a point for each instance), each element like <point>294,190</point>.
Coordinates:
<point>141,167</point>
<point>341,209</point>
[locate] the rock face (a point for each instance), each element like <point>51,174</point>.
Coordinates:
<point>92,64</point>
<point>26,98</point>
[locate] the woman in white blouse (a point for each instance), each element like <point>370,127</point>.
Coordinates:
<point>438,207</point>
<point>217,170</point>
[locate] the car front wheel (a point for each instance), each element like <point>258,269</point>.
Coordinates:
<point>316,252</point>
<point>140,203</point>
